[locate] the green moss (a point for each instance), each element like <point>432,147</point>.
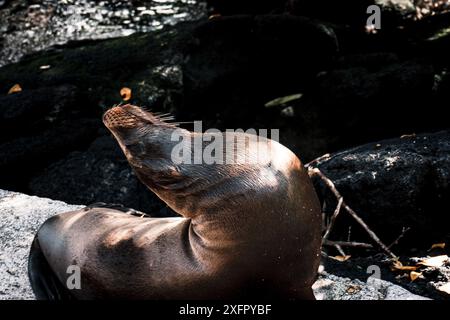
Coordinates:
<point>98,69</point>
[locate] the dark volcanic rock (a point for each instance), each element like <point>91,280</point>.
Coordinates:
<point>375,97</point>
<point>365,97</point>
<point>40,125</point>
<point>221,71</point>
<point>100,69</point>
<point>100,174</point>
<point>65,91</point>
<point>394,184</point>
<point>32,110</point>
<point>353,12</point>
<point>236,64</point>
<point>22,156</point>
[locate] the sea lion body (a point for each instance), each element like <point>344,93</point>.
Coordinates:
<point>246,229</point>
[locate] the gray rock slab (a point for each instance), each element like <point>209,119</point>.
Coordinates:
<point>20,218</point>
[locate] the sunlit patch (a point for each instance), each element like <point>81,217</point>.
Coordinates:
<point>118,235</point>
<point>72,220</point>
<point>390,161</point>
<point>268,177</point>
<point>138,232</point>
<point>280,160</point>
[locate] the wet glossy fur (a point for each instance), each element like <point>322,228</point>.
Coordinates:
<point>245,230</point>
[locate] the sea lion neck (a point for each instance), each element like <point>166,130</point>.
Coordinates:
<point>250,194</point>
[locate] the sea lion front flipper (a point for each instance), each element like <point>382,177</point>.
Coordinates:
<point>45,284</point>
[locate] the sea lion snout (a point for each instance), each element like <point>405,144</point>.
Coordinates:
<point>131,117</point>
<point>120,117</point>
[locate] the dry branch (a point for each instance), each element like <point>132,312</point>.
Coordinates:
<point>332,187</point>
<point>333,219</point>
<point>399,237</point>
<point>348,244</point>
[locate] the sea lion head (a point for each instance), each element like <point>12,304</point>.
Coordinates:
<point>145,139</point>
<point>148,142</point>
<point>192,188</point>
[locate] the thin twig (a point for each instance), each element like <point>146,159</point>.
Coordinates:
<point>405,230</point>
<point>333,219</point>
<point>331,186</point>
<point>341,252</point>
<point>348,244</point>
<point>317,160</point>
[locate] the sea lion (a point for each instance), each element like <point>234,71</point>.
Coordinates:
<point>248,229</point>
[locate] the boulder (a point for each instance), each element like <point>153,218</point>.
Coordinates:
<point>393,184</point>
<point>376,271</point>
<point>23,156</point>
<point>65,91</point>
<point>354,13</point>
<point>21,217</point>
<point>234,65</point>
<point>332,287</point>
<point>373,96</point>
<point>99,174</point>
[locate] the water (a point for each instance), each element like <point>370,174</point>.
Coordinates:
<point>30,26</point>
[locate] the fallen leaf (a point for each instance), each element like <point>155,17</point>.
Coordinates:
<point>15,88</point>
<point>340,258</point>
<point>213,16</point>
<point>445,288</point>
<point>353,289</point>
<point>399,266</point>
<point>414,275</point>
<point>45,67</point>
<point>434,261</point>
<point>125,93</point>
<point>283,100</point>
<point>438,245</point>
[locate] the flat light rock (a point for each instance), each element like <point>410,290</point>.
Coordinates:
<point>20,218</point>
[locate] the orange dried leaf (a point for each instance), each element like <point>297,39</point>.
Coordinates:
<point>399,266</point>
<point>414,275</point>
<point>341,258</point>
<point>438,245</point>
<point>434,261</point>
<point>15,88</point>
<point>125,93</point>
<point>353,289</point>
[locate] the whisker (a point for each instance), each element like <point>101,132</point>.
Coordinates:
<point>147,109</point>
<point>166,118</point>
<point>182,122</point>
<point>162,114</point>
